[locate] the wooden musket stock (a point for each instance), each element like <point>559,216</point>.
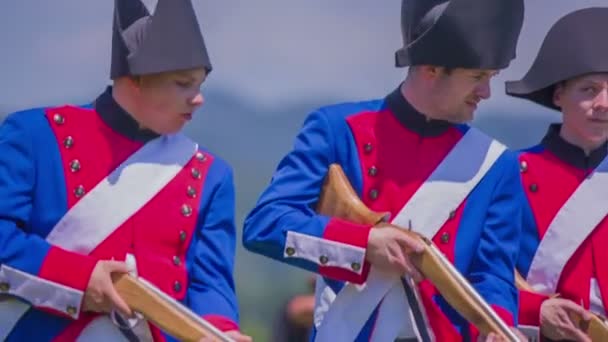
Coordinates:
<point>165,312</point>
<point>596,328</point>
<point>338,199</point>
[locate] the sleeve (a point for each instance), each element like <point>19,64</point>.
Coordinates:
<point>284,225</point>
<point>529,307</point>
<point>30,268</point>
<point>211,292</point>
<point>492,271</point>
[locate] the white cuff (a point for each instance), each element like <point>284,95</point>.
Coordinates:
<point>40,292</point>
<point>324,252</point>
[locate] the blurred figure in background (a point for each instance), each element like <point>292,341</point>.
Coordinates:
<point>295,320</point>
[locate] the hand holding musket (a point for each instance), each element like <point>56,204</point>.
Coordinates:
<point>165,312</point>
<point>338,199</point>
<point>596,327</point>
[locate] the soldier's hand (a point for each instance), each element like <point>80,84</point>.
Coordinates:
<point>388,248</point>
<point>492,337</point>
<point>100,295</point>
<point>555,320</point>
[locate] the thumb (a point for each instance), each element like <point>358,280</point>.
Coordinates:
<point>116,266</point>
<point>576,309</point>
<point>411,242</point>
<point>578,334</point>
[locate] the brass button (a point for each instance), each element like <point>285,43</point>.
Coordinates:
<point>373,194</point>
<point>4,286</point>
<point>59,119</point>
<point>373,171</point>
<point>182,236</point>
<point>186,210</point>
<point>523,166</point>
<point>196,174</point>
<point>452,214</point>
<point>71,310</point>
<point>368,148</point>
<point>177,286</point>
<point>177,261</point>
<point>290,251</point>
<point>200,156</point>
<point>445,237</point>
<point>191,192</point>
<point>323,259</point>
<point>79,191</point>
<point>68,142</point>
<point>533,187</point>
<point>355,266</point>
<point>75,165</point>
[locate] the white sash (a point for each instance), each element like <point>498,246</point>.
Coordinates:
<point>112,202</point>
<point>126,190</point>
<point>445,189</point>
<point>576,219</point>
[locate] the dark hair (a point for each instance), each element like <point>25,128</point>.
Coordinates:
<point>446,70</point>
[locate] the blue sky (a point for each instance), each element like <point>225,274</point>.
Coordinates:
<point>267,51</point>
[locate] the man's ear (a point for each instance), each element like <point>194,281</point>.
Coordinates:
<point>430,72</point>
<point>558,93</point>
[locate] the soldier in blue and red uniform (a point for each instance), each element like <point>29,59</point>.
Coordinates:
<point>410,154</point>
<point>565,233</point>
<point>114,186</point>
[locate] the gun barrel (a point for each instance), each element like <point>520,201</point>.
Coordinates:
<point>165,312</point>
<point>338,199</point>
<point>481,314</point>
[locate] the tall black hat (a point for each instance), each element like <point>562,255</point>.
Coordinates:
<point>474,34</point>
<point>576,45</point>
<point>169,40</point>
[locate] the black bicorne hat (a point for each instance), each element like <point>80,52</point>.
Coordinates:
<point>169,40</point>
<point>576,45</point>
<point>474,34</point>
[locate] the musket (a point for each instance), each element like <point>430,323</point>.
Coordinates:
<point>338,199</point>
<point>596,328</point>
<point>165,312</point>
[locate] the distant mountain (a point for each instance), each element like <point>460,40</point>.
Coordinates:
<point>253,139</point>
<point>518,128</point>
<point>250,138</point>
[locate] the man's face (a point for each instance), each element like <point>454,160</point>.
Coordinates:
<point>457,92</point>
<point>584,104</point>
<point>166,101</point>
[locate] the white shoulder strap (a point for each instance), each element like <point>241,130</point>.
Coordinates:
<point>107,206</point>
<point>445,189</point>
<point>121,194</point>
<point>450,184</point>
<point>575,220</point>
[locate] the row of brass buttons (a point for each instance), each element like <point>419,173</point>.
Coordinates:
<point>523,168</point>
<point>186,211</point>
<point>323,259</point>
<point>79,191</point>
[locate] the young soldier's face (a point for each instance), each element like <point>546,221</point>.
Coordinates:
<point>167,101</point>
<point>457,92</point>
<point>584,104</point>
